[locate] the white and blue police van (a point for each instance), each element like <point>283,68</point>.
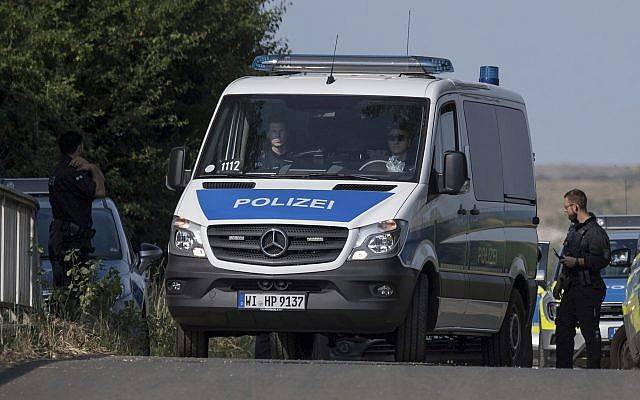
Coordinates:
<point>362,196</point>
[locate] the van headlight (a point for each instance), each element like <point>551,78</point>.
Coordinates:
<point>186,239</point>
<point>380,240</point>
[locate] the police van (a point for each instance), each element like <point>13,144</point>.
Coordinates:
<point>362,196</point>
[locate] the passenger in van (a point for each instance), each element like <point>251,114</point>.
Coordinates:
<point>278,153</point>
<point>398,141</point>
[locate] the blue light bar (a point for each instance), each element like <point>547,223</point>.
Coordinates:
<point>291,63</point>
<point>490,74</point>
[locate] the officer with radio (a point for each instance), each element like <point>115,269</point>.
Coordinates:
<point>586,251</point>
<point>74,184</point>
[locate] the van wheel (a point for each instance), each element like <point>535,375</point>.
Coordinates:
<point>620,352</point>
<point>508,347</point>
<point>191,343</point>
<point>269,346</point>
<point>411,335</point>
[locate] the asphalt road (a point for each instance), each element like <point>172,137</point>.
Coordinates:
<point>191,379</point>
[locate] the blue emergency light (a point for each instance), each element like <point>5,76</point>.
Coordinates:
<point>292,63</point>
<point>490,74</point>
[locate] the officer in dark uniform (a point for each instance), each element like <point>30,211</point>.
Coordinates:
<point>72,187</point>
<point>586,251</point>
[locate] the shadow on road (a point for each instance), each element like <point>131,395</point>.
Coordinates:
<point>10,373</point>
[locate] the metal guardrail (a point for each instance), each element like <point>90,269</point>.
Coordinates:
<point>19,257</point>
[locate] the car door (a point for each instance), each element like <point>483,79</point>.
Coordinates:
<point>449,214</point>
<point>487,280</point>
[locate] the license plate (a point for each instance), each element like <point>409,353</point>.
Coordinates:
<point>271,301</point>
<point>612,332</point>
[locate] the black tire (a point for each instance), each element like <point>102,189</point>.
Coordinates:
<point>620,352</point>
<point>297,346</point>
<point>411,335</point>
<point>191,343</point>
<point>269,346</point>
<point>507,348</point>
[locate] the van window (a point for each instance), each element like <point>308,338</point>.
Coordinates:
<point>316,137</point>
<point>486,155</point>
<point>446,135</point>
<point>517,160</point>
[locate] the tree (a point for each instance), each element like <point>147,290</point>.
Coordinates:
<point>137,77</point>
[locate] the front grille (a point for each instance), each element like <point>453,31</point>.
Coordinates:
<point>229,185</point>
<point>365,188</point>
<point>307,244</point>
<point>292,285</point>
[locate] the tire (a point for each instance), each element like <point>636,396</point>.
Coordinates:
<point>620,352</point>
<point>269,346</point>
<point>507,348</point>
<point>191,343</point>
<point>297,346</point>
<point>411,335</point>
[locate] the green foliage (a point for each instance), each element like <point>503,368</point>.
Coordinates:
<point>86,295</point>
<point>137,76</point>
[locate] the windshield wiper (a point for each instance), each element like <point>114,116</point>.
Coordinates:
<point>333,176</point>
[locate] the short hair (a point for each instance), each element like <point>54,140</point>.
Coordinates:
<point>578,197</point>
<point>69,141</point>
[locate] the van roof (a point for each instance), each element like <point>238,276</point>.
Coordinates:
<point>366,84</point>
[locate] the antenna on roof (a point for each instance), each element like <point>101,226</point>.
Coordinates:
<point>408,30</point>
<point>330,78</point>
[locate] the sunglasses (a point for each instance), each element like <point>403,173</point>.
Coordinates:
<point>396,138</point>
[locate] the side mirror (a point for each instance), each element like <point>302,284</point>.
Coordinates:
<point>455,172</point>
<point>149,253</point>
<point>541,272</point>
<point>621,258</point>
<point>176,177</point>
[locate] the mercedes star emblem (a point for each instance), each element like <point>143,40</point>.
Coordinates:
<point>274,242</point>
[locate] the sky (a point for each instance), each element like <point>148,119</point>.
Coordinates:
<point>576,63</point>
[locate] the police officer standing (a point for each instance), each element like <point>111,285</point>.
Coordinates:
<point>586,251</point>
<point>74,184</point>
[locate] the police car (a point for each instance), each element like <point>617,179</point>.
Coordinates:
<point>111,243</point>
<point>624,233</point>
<point>625,345</point>
<point>363,196</point>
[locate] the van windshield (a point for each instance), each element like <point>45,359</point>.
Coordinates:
<point>316,136</point>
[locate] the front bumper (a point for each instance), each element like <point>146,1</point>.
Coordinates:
<point>339,301</point>
<point>547,337</point>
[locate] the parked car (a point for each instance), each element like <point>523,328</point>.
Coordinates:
<point>111,242</point>
<point>625,346</point>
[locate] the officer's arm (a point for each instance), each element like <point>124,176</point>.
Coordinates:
<point>599,252</point>
<point>98,179</point>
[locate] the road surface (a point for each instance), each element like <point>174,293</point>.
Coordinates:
<point>191,379</point>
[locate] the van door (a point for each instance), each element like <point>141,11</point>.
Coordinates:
<point>449,214</point>
<point>486,261</point>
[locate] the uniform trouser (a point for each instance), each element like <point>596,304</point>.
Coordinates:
<point>580,306</point>
<point>59,246</point>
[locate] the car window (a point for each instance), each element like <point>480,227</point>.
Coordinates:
<point>106,241</point>
<point>517,159</point>
<point>446,135</point>
<point>484,144</point>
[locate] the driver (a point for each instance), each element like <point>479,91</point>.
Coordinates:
<point>278,153</point>
<point>398,142</point>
